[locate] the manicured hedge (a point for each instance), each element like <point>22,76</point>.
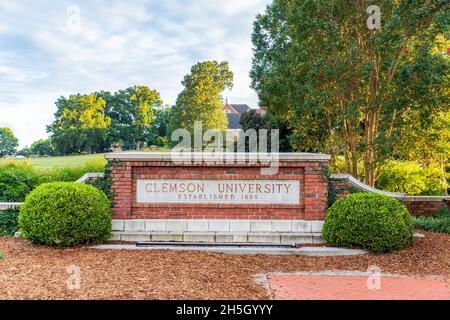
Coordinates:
<point>65,214</point>
<point>372,221</point>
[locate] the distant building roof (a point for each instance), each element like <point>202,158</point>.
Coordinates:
<point>240,108</point>
<point>234,112</point>
<point>233,121</point>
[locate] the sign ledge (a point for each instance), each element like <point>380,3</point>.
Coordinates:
<point>211,156</point>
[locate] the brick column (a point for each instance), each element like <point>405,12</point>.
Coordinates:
<point>316,192</point>
<point>122,187</point>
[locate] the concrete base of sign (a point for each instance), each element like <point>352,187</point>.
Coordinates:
<point>218,231</point>
<point>219,237</point>
<point>308,251</point>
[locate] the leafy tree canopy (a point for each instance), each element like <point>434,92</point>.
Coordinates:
<point>201,98</point>
<point>8,142</point>
<point>158,132</point>
<point>42,147</point>
<point>343,88</point>
<point>80,124</point>
<point>131,112</point>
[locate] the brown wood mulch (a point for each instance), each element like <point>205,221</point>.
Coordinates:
<point>37,272</point>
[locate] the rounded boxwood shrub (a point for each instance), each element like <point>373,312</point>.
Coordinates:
<point>65,214</point>
<point>372,221</point>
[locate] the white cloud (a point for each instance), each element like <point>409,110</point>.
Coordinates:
<point>3,28</point>
<point>9,73</point>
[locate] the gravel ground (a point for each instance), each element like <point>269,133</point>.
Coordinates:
<point>36,272</point>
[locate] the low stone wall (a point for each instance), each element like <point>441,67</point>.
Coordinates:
<point>344,184</point>
<point>9,205</point>
<point>425,206</point>
<point>90,177</point>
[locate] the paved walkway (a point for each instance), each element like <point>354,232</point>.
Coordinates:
<point>357,287</point>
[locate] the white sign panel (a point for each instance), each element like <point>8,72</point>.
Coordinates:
<point>219,191</point>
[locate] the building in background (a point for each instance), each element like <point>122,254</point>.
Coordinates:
<point>234,112</point>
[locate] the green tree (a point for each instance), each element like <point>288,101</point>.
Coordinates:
<point>80,125</point>
<point>158,132</point>
<point>8,142</point>
<point>26,152</point>
<point>131,112</point>
<point>201,98</point>
<point>42,147</point>
<point>251,120</point>
<point>254,120</point>
<point>342,88</point>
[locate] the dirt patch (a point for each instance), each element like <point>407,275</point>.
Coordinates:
<point>36,272</point>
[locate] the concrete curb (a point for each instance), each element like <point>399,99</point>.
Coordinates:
<point>308,251</point>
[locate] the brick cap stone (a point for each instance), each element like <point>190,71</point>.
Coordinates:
<point>211,156</point>
<point>427,198</point>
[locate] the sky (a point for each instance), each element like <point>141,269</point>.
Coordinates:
<point>53,48</point>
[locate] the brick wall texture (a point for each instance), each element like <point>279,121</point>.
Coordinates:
<point>419,206</point>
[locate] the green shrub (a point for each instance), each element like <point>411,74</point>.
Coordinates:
<point>9,222</point>
<point>373,221</point>
<point>1,256</point>
<point>72,173</point>
<point>444,213</point>
<point>410,178</point>
<point>17,179</point>
<point>65,214</point>
<point>440,222</point>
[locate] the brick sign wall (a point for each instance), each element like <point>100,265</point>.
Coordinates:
<point>152,186</point>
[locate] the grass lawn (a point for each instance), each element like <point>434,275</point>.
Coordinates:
<point>67,161</point>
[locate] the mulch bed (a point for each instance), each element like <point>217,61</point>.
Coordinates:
<point>37,272</point>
